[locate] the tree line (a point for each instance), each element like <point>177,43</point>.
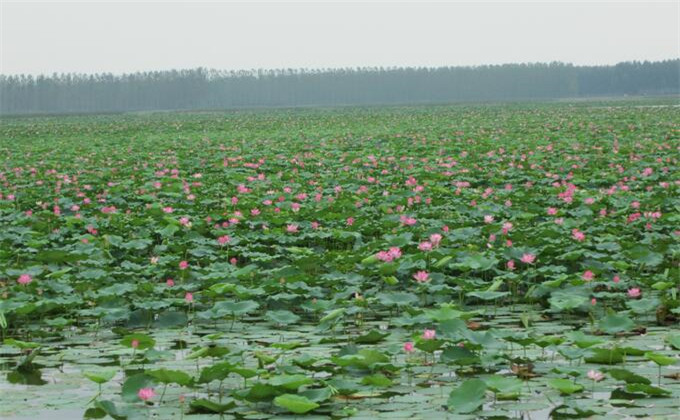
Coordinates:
<point>201,89</point>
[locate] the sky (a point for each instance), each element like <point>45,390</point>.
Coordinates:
<point>125,36</point>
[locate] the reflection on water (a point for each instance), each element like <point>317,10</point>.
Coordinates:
<point>26,377</point>
<point>52,415</point>
<point>179,345</point>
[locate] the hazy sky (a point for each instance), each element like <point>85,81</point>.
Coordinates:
<point>46,37</point>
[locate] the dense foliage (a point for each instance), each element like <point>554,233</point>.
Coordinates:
<point>489,261</point>
<point>210,89</point>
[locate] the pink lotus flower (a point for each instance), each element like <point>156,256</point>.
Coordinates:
<point>425,246</point>
<point>389,255</point>
<point>510,265</point>
<point>588,275</point>
<point>528,258</point>
<point>170,282</point>
<point>408,347</point>
<point>168,210</point>
<point>223,239</point>
<point>616,279</point>
<point>552,211</point>
<point>395,252</point>
<point>134,344</point>
<point>595,375</point>
<point>593,301</point>
<point>183,265</point>
<point>146,394</point>
<point>435,239</point>
<point>633,217</point>
<point>407,221</point>
<point>422,276</point>
<point>189,297</point>
<point>24,279</point>
<point>634,293</point>
<point>350,221</point>
<point>488,219</point>
<point>292,228</point>
<point>429,334</point>
<point>384,256</point>
<point>578,235</point>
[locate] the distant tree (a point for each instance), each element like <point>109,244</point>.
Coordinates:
<point>212,89</point>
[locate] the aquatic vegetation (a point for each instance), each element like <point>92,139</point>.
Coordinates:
<point>483,261</point>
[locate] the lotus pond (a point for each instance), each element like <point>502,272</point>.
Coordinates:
<point>496,261</point>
